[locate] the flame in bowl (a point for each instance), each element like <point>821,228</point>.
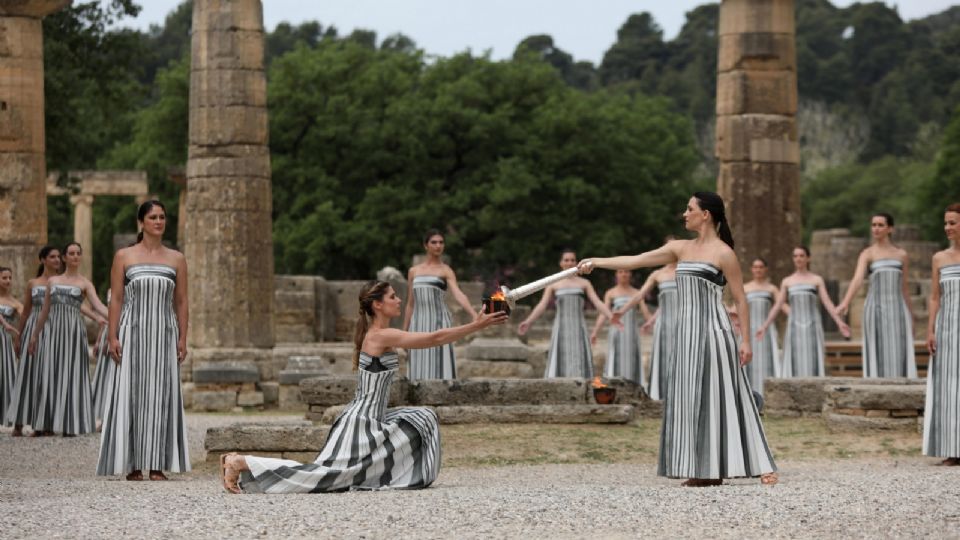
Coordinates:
<point>597,383</point>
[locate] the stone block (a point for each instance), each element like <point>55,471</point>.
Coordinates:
<point>338,390</point>
<point>299,368</point>
<point>842,423</point>
<point>250,399</point>
<point>506,349</point>
<point>757,51</point>
<point>186,390</point>
<point>801,396</point>
<point>499,391</point>
<point>497,369</point>
<point>271,392</point>
<point>536,414</point>
<point>295,436</point>
<point>905,413</point>
<point>214,401</point>
<point>290,398</point>
<point>757,92</point>
<point>884,397</point>
<point>877,413</point>
<point>226,372</point>
<point>757,16</point>
<point>302,457</point>
<point>757,138</point>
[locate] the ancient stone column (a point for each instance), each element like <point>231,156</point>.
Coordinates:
<point>23,198</point>
<point>756,144</point>
<point>227,210</point>
<point>83,230</point>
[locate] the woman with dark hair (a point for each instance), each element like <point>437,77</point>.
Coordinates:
<point>803,346</point>
<point>711,428</point>
<point>20,411</point>
<point>624,357</point>
<point>63,403</point>
<point>368,446</point>
<point>10,309</point>
<point>941,417</point>
<point>143,421</point>
<point>887,317</point>
<point>761,296</point>
<point>570,354</point>
<point>426,310</point>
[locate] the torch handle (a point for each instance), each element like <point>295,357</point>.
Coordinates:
<point>540,284</point>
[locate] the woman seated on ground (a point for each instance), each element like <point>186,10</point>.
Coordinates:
<point>368,447</point>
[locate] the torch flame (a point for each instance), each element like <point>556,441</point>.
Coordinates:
<point>597,384</point>
<point>498,296</point>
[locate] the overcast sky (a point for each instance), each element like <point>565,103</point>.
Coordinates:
<point>581,27</point>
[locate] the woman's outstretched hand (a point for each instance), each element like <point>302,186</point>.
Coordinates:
<point>484,320</point>
<point>585,266</point>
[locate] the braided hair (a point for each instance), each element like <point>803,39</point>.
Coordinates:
<point>713,203</point>
<point>373,291</point>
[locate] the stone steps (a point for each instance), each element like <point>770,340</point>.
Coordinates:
<point>514,414</point>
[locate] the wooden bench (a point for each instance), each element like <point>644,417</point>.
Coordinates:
<point>845,358</point>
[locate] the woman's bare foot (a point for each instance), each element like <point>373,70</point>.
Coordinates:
<point>769,479</point>
<point>950,462</point>
<point>229,474</point>
<point>702,482</point>
<point>135,476</point>
<point>157,475</point>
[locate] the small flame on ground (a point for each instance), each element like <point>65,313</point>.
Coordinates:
<point>597,383</point>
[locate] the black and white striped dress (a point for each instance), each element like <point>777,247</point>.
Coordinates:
<point>623,347</point>
<point>711,428</point>
<point>887,325</point>
<point>803,347</point>
<point>143,420</point>
<point>766,355</point>
<point>664,340</point>
<point>65,380</point>
<point>570,354</point>
<point>941,416</point>
<point>8,360</point>
<point>369,446</point>
<point>20,410</point>
<point>430,314</point>
<point>102,375</point>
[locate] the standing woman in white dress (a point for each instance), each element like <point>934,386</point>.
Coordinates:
<point>803,345</point>
<point>427,312</point>
<point>143,421</point>
<point>10,310</point>
<point>761,297</point>
<point>887,317</point>
<point>941,417</point>
<point>624,357</point>
<point>570,354</point>
<point>21,407</point>
<point>711,427</point>
<point>64,404</point>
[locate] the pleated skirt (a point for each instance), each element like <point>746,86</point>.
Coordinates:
<point>803,343</point>
<point>887,327</point>
<point>430,314</point>
<point>102,375</point>
<point>8,372</point>
<point>20,408</point>
<point>64,403</point>
<point>624,357</point>
<point>766,354</point>
<point>664,343</point>
<point>570,354</point>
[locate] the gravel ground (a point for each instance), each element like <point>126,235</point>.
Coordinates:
<point>48,490</point>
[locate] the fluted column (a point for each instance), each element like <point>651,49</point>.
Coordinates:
<point>756,138</point>
<point>83,230</point>
<point>23,199</point>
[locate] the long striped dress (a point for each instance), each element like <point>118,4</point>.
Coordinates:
<point>623,347</point>
<point>766,355</point>
<point>711,428</point>
<point>369,446</point>
<point>803,347</point>
<point>570,354</point>
<point>430,314</point>
<point>20,410</point>
<point>143,421</point>
<point>63,403</point>
<point>664,340</point>
<point>941,417</point>
<point>887,328</point>
<point>8,360</point>
<point>102,375</point>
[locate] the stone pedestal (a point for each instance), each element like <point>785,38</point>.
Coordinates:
<point>23,198</point>
<point>756,138</point>
<point>227,210</point>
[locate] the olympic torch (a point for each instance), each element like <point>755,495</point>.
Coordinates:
<point>512,295</point>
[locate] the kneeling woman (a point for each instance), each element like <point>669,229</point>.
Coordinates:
<point>368,446</point>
